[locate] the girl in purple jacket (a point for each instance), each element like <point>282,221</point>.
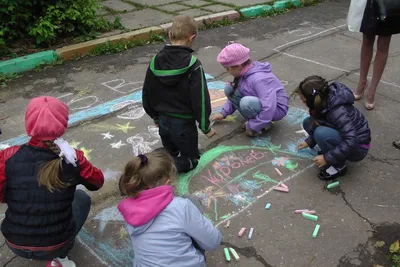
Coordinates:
<point>255,91</point>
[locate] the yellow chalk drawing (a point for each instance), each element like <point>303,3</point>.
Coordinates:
<point>122,232</point>
<point>74,144</point>
<point>124,127</point>
<point>86,152</point>
<point>230,118</point>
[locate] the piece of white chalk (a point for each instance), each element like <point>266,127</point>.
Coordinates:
<point>278,171</point>
<point>251,233</point>
<point>268,206</point>
<point>228,223</point>
<point>241,232</point>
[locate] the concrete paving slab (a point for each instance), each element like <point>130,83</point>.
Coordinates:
<point>173,7</point>
<point>217,8</point>
<point>142,18</point>
<point>118,6</point>
<point>194,12</point>
<point>152,2</point>
<point>196,3</point>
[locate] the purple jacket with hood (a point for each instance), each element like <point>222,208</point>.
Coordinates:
<point>259,81</point>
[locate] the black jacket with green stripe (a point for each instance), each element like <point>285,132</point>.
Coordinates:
<point>175,85</point>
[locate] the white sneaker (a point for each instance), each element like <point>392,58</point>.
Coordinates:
<point>59,262</point>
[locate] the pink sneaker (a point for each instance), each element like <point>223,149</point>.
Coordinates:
<point>58,262</point>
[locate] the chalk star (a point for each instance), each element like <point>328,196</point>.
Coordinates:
<point>124,127</point>
<point>74,144</point>
<point>117,145</point>
<point>230,118</point>
<point>86,152</point>
<point>107,135</point>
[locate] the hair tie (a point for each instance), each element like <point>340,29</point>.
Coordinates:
<point>314,92</point>
<point>143,159</point>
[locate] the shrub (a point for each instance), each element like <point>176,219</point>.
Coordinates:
<point>45,20</point>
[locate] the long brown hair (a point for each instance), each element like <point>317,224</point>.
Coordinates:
<point>146,171</point>
<point>49,173</point>
<point>316,91</point>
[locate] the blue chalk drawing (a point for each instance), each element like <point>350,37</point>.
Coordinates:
<point>116,253</point>
<point>102,110</point>
<point>296,115</point>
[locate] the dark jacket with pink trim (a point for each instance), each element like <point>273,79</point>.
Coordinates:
<point>36,217</point>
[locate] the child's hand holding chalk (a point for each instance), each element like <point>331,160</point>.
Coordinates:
<point>211,133</point>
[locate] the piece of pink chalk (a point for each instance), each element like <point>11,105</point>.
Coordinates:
<point>306,211</point>
<point>241,232</point>
<point>283,185</point>
<point>280,174</point>
<point>301,211</point>
<point>281,189</point>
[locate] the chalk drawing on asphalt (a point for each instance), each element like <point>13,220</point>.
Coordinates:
<point>142,143</point>
<point>125,127</point>
<point>107,135</point>
<point>123,87</point>
<point>117,145</point>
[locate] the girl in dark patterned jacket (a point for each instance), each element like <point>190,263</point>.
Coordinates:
<point>339,129</point>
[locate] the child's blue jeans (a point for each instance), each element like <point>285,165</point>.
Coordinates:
<point>248,106</point>
<point>328,138</point>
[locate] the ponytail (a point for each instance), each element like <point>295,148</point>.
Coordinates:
<point>146,171</point>
<point>316,91</point>
<point>49,173</point>
<point>130,183</point>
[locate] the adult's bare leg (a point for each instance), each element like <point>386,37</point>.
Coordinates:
<point>381,57</point>
<point>367,50</point>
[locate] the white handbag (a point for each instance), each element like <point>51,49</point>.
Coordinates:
<point>356,14</point>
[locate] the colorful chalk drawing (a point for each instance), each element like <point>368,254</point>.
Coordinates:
<point>234,176</point>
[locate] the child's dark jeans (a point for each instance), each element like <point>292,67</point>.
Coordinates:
<point>179,137</point>
<point>80,211</point>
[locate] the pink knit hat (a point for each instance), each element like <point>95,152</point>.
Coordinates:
<point>233,55</point>
<point>46,118</point>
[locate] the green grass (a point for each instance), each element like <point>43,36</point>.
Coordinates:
<point>5,78</point>
<point>116,47</point>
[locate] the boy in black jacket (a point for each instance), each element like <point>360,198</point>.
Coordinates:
<point>175,95</point>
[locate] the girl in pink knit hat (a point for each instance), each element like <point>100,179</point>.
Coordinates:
<point>38,182</point>
<point>255,91</point>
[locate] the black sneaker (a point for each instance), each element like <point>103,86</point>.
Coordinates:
<point>332,173</point>
<point>396,144</point>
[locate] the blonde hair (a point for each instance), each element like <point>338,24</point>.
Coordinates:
<point>146,171</point>
<point>49,173</point>
<point>182,28</point>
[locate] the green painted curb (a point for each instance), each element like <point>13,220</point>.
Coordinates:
<point>21,64</point>
<point>254,11</point>
<point>280,5</point>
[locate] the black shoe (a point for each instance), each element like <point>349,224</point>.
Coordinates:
<point>396,144</point>
<point>332,173</point>
<point>320,152</point>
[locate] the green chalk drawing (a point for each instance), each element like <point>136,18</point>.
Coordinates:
<point>209,156</point>
<point>215,210</point>
<point>264,177</point>
<point>225,216</point>
<point>291,166</point>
